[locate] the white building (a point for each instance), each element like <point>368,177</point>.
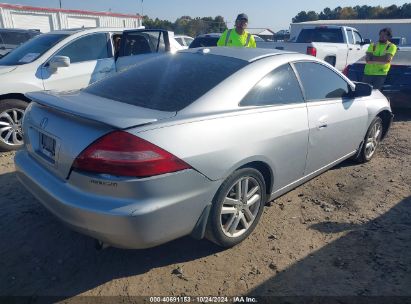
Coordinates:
<point>49,19</point>
<point>368,28</point>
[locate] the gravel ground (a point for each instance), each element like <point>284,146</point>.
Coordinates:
<point>345,233</point>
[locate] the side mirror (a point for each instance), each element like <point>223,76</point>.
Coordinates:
<point>362,89</point>
<point>59,62</point>
<point>366,41</point>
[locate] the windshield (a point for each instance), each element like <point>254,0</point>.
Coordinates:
<point>32,49</point>
<point>168,82</point>
<point>204,42</point>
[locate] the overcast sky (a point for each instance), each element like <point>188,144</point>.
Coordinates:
<point>273,14</point>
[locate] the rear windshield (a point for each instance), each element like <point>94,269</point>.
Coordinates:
<point>167,82</point>
<point>32,49</point>
<point>14,38</point>
<point>204,42</point>
<point>320,35</point>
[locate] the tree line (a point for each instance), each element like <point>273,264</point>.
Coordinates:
<point>356,12</point>
<point>187,25</point>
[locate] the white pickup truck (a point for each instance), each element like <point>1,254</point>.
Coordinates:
<point>69,60</point>
<point>337,45</point>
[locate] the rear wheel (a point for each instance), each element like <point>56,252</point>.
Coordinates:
<point>371,141</point>
<point>237,208</point>
<point>11,116</point>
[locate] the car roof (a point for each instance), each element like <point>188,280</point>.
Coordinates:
<point>210,35</point>
<point>246,54</point>
<point>184,36</point>
<point>19,30</point>
<point>73,31</point>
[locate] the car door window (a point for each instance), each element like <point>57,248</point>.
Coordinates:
<point>180,41</point>
<point>320,82</point>
<point>87,48</point>
<point>358,38</point>
<point>350,37</point>
<point>188,41</point>
<point>137,43</point>
<point>280,87</point>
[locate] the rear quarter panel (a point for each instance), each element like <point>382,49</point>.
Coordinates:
<point>218,145</point>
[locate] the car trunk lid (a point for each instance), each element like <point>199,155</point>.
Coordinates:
<point>58,127</point>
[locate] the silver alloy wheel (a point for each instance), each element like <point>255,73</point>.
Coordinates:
<point>10,127</point>
<point>240,207</point>
<point>373,140</point>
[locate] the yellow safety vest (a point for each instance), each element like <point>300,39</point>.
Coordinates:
<point>380,49</point>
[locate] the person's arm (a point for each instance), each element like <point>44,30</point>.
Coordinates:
<point>382,59</point>
<point>369,53</point>
<point>368,57</point>
<point>221,41</point>
<point>252,43</point>
<point>387,58</point>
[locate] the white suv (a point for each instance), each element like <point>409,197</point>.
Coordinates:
<point>68,60</point>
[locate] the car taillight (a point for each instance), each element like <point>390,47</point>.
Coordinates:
<point>312,51</point>
<point>123,154</point>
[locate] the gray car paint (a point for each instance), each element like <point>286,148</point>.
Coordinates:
<point>214,135</point>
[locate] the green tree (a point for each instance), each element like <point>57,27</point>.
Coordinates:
<point>357,12</point>
<point>188,25</point>
<point>304,16</point>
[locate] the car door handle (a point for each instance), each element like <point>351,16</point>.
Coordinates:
<point>322,125</point>
<point>350,49</point>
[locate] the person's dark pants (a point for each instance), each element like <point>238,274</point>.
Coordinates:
<point>376,81</point>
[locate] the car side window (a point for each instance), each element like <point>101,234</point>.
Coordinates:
<point>188,40</point>
<point>87,48</point>
<point>350,37</point>
<point>180,41</point>
<point>137,43</point>
<point>280,87</point>
<point>358,38</point>
<point>320,82</point>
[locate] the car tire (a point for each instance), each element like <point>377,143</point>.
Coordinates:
<point>231,210</point>
<point>371,141</point>
<point>11,116</point>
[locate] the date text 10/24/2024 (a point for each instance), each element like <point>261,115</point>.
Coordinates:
<point>200,299</point>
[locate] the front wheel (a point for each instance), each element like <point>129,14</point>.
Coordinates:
<point>236,208</point>
<point>371,141</point>
<point>11,116</point>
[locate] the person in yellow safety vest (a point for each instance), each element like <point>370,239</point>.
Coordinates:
<point>238,37</point>
<point>378,59</point>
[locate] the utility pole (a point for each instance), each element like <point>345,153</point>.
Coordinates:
<point>142,8</point>
<point>60,3</point>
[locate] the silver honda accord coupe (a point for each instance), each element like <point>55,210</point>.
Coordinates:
<point>193,143</point>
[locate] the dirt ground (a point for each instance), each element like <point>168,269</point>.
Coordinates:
<point>345,233</point>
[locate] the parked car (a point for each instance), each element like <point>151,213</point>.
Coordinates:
<point>337,45</point>
<point>68,60</point>
<point>12,38</point>
<point>137,160</point>
<point>398,83</point>
<point>183,40</point>
<point>399,41</point>
<point>206,40</point>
